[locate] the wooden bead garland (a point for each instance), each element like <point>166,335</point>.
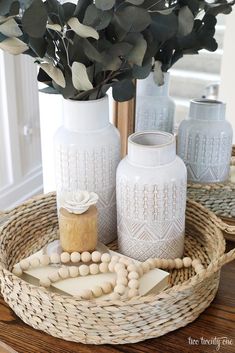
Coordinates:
<point>128,273</point>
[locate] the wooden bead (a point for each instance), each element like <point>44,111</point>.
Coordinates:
<point>111,266</point>
<point>178,264</point>
<point>133,293</point>
<point>122,273</point>
<point>164,264</point>
<point>196,262</point>
<point>96,256</point>
<point>65,257</point>
<point>75,257</point>
<point>54,277</point>
<point>151,263</point>
<point>55,258</point>
<point>115,258</point>
<point>145,267</point>
<point>85,256</point>
<point>84,270</point>
<point>105,258</point>
<point>24,264</point>
<point>73,271</point>
<point>140,271</point>
<point>120,289</point>
<point>198,268</point>
<point>114,296</point>
<point>133,275</point>
<point>106,287</point>
<point>45,282</point>
<point>119,267</point>
<point>97,291</point>
<point>131,268</point>
<point>64,272</point>
<point>103,267</point>
<point>17,271</point>
<point>86,294</point>
<point>133,283</point>
<point>94,269</point>
<point>187,261</point>
<point>158,263</point>
<point>171,264</point>
<point>44,260</point>
<point>122,280</point>
<point>34,262</point>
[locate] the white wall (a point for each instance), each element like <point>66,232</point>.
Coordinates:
<point>20,153</point>
<point>227,88</point>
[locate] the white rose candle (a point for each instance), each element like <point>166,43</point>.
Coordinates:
<point>78,221</point>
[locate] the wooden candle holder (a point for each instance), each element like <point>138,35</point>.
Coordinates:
<point>78,232</point>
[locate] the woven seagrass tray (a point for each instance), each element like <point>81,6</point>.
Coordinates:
<point>32,225</point>
<point>218,198</point>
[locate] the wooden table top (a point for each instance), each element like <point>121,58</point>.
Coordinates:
<point>217,322</point>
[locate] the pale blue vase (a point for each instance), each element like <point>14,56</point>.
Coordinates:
<point>205,142</point>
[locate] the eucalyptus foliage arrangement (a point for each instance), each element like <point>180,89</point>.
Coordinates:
<point>84,49</point>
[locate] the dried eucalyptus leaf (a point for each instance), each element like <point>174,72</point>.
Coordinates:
<point>158,74</point>
<point>186,21</point>
<point>49,90</point>
<point>40,46</point>
<point>13,46</point>
<point>164,27</point>
<point>5,6</point>
<point>82,30</point>
<point>34,20</point>
<point>91,52</point>
<point>112,57</point>
<point>133,19</point>
<point>104,4</point>
<point>10,28</point>
<point>97,18</point>
<point>15,8</point>
<point>123,90</point>
<point>135,2</point>
<point>141,72</point>
<point>137,54</point>
<point>80,77</point>
<point>55,73</point>
<point>54,27</point>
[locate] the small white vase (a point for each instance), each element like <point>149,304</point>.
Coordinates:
<point>205,142</point>
<point>87,149</point>
<point>151,198</point>
<point>154,108</point>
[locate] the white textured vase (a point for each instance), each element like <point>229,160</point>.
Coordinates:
<point>205,142</point>
<point>87,149</point>
<point>154,108</point>
<point>151,198</point>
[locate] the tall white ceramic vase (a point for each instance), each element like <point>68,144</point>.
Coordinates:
<point>205,142</point>
<point>154,108</point>
<point>151,198</point>
<point>87,149</point>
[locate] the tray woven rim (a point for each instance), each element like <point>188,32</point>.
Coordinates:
<point>177,293</point>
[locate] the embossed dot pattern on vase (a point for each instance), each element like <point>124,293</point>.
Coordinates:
<point>154,108</point>
<point>205,142</point>
<point>87,149</point>
<point>151,198</point>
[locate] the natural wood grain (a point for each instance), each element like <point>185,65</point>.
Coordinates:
<point>217,321</point>
<point>124,119</point>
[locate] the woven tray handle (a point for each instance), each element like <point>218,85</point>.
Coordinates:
<point>225,227</point>
<point>223,260</point>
